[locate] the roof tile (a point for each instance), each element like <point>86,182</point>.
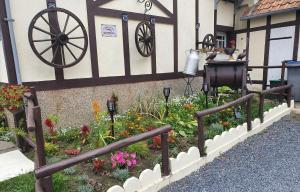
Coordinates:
<point>266,6</point>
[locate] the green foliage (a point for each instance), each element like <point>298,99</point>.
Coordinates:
<point>26,182</point>
<point>141,149</point>
<point>6,134</point>
<point>85,188</point>
<point>68,135</point>
<point>213,130</point>
<point>51,149</point>
<point>121,174</point>
<point>70,171</point>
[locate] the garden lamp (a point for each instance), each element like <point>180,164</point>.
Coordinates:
<point>167,91</point>
<point>111,107</point>
<point>205,90</point>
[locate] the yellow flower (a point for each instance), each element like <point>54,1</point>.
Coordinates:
<point>96,106</point>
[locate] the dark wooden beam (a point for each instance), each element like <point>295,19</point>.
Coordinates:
<point>267,49</point>
<point>175,22</point>
<point>296,39</point>
<point>126,45</point>
<point>7,46</point>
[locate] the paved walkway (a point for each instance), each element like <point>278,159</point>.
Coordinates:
<point>267,162</point>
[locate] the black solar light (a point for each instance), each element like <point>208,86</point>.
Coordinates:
<point>205,90</point>
<point>111,107</point>
<point>167,91</point>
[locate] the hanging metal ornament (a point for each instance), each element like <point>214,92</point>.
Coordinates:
<point>144,34</point>
<point>68,43</point>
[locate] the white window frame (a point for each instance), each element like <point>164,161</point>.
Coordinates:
<point>221,42</point>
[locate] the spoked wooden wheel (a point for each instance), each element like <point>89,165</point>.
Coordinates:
<point>60,43</point>
<point>144,38</point>
<point>209,42</point>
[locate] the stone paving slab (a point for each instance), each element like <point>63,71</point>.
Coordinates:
<point>6,147</point>
<point>14,163</point>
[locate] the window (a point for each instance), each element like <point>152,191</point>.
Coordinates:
<point>221,40</point>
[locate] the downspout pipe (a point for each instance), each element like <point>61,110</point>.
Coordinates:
<point>10,21</point>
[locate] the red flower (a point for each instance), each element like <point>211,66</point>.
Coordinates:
<point>49,123</point>
<point>97,165</point>
<point>84,130</point>
<point>72,151</point>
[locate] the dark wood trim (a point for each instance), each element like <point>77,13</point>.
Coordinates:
<point>162,8</point>
<point>215,21</point>
<point>175,22</point>
<point>153,56</point>
<point>92,41</point>
<point>296,39</point>
<point>131,15</point>
<point>8,51</point>
<point>280,38</point>
<point>273,26</point>
<point>224,28</point>
<point>53,19</point>
<point>197,25</point>
<point>248,41</point>
<point>126,45</point>
<point>267,49</point>
<point>98,3</point>
<point>91,82</point>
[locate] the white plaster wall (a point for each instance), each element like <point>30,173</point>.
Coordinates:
<point>240,24</point>
<point>225,13</point>
<point>206,18</point>
<point>241,41</point>
<point>186,30</point>
<point>138,64</point>
<point>110,49</point>
<point>164,48</point>
<point>256,53</point>
<point>3,71</point>
<point>31,68</point>
<point>257,22</point>
<point>83,68</point>
<point>134,6</point>
<point>280,18</point>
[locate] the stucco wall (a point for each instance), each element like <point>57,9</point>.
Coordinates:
<point>225,13</point>
<point>206,18</point>
<point>257,22</point>
<point>280,18</point>
<point>241,41</point>
<point>186,30</point>
<point>74,106</point>
<point>256,53</point>
<point>240,24</point>
<point>3,71</point>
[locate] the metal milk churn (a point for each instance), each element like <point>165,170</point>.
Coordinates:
<point>192,62</point>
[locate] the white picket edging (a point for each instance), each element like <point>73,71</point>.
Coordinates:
<point>187,162</point>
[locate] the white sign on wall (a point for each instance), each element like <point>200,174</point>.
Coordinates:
<point>108,30</point>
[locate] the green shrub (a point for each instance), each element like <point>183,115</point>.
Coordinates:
<point>140,148</point>
<point>121,174</point>
<point>213,130</point>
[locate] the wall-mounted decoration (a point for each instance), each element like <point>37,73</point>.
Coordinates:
<point>66,38</point>
<point>144,33</point>
<point>108,30</point>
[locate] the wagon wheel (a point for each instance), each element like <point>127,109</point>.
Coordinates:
<point>68,44</point>
<point>144,38</point>
<point>209,42</point>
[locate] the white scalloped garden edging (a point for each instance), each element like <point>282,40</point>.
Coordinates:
<point>187,162</point>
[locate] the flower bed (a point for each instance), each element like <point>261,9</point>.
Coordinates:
<point>100,174</point>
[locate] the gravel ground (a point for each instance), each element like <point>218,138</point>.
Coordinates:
<point>267,162</point>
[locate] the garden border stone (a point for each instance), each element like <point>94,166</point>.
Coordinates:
<point>187,162</point>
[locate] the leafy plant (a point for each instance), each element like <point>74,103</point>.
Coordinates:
<point>140,148</point>
<point>11,96</point>
<point>70,171</point>
<point>123,160</point>
<point>85,188</point>
<point>97,165</point>
<point>51,149</point>
<point>213,130</point>
<point>121,174</point>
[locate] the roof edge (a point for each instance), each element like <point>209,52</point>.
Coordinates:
<point>270,13</point>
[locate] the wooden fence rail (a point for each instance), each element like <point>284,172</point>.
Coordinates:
<point>201,114</point>
<point>263,94</point>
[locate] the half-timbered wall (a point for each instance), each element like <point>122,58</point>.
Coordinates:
<point>225,13</point>
<point>3,71</point>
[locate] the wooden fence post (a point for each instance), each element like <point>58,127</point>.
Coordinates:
<point>261,107</point>
<point>249,114</point>
<point>44,184</point>
<point>165,154</point>
<point>201,139</point>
